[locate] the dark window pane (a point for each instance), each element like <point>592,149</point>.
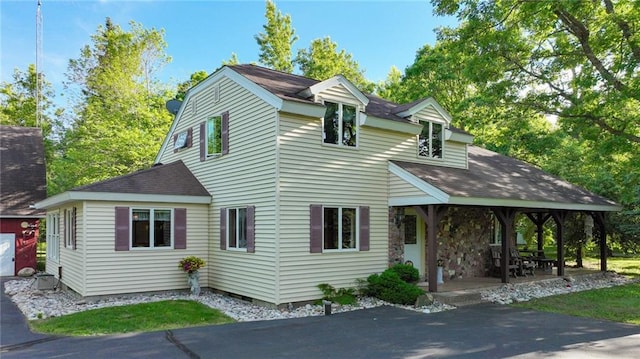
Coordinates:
<point>330,228</point>
<point>242,228</point>
<point>410,236</point>
<point>349,126</point>
<point>233,239</point>
<point>140,228</point>
<point>436,144</point>
<point>161,228</point>
<point>331,123</point>
<point>348,228</point>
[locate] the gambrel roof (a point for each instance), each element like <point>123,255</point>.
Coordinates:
<point>22,171</point>
<point>496,180</point>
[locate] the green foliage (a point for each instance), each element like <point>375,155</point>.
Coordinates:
<point>276,41</point>
<point>322,61</point>
<point>389,287</point>
<point>119,116</point>
<point>343,296</point>
<point>407,273</point>
<point>194,79</point>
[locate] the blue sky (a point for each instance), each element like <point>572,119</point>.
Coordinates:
<point>201,34</point>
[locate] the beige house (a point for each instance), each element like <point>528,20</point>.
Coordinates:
<point>282,182</point>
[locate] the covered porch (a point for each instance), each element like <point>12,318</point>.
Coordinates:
<point>495,184</point>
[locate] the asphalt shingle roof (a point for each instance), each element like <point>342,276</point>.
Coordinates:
<point>22,171</point>
<point>492,175</point>
<point>170,179</point>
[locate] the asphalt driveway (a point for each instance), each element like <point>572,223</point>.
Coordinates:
<point>480,331</point>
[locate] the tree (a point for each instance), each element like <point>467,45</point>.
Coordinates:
<point>18,106</point>
<point>233,60</point>
<point>194,79</point>
<point>276,41</point>
<point>120,119</point>
<point>322,61</point>
<point>578,61</point>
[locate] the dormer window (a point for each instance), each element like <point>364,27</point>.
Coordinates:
<point>431,139</point>
<point>340,125</point>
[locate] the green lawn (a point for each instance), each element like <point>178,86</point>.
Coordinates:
<point>619,304</point>
<point>169,314</point>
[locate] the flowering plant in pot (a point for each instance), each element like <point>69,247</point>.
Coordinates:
<point>191,263</point>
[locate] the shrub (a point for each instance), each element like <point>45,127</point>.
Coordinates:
<point>342,296</point>
<point>407,273</point>
<point>390,287</point>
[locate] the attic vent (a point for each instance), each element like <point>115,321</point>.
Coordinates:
<point>216,93</point>
<point>194,106</point>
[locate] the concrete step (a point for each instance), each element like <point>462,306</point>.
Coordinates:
<point>458,298</point>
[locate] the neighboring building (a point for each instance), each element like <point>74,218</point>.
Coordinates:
<point>282,182</point>
<point>22,184</point>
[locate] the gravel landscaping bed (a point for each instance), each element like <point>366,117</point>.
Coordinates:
<point>36,304</point>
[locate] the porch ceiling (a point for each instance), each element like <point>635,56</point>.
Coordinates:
<point>494,180</point>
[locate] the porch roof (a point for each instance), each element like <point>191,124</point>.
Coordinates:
<point>496,180</point>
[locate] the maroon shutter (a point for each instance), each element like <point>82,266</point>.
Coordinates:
<point>225,133</point>
<point>74,227</point>
<point>203,141</point>
<point>189,137</point>
<point>315,238</point>
<point>364,228</point>
<point>122,228</point>
<point>223,228</point>
<point>251,229</point>
<point>180,228</point>
<point>175,138</point>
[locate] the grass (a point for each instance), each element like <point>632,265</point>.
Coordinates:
<point>169,314</point>
<point>619,303</point>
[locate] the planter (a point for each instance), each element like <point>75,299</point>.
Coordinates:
<point>193,279</point>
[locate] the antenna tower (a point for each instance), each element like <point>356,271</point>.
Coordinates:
<point>39,75</point>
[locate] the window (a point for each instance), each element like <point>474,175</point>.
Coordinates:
<point>237,228</point>
<point>430,140</point>
<point>340,125</point>
<point>150,228</point>
<point>53,236</point>
<point>70,228</point>
<point>214,136</point>
<point>340,228</point>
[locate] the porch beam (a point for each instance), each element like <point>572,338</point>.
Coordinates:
<point>559,217</point>
<point>431,215</point>
<point>506,217</point>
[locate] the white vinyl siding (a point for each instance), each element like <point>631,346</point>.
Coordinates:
<point>246,176</point>
<point>400,188</point>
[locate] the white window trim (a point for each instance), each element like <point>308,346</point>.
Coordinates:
<point>356,120</point>
<point>68,228</point>
<point>151,229</point>
<point>442,140</point>
<point>356,248</point>
<point>236,248</point>
<point>206,142</point>
<point>53,236</point>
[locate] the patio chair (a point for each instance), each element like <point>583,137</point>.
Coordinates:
<point>524,265</point>
<point>496,263</point>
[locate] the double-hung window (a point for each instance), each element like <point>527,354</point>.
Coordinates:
<point>340,125</point>
<point>70,228</point>
<point>53,236</point>
<point>431,139</point>
<point>151,228</point>
<point>340,228</point>
<point>237,228</point>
